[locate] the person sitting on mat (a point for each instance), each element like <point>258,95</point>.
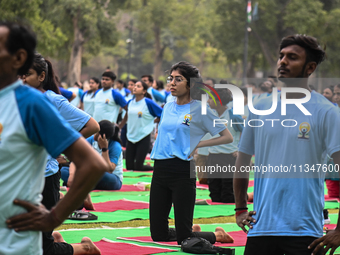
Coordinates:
<point>107,143</point>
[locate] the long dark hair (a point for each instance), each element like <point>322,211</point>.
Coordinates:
<point>96,80</point>
<point>43,65</point>
<point>110,130</point>
<point>145,87</point>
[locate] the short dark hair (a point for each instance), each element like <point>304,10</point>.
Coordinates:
<point>148,76</point>
<point>160,85</point>
<point>245,91</point>
<point>20,37</point>
<point>110,74</point>
<point>273,77</point>
<point>110,130</point>
<point>225,95</point>
<point>211,79</point>
<point>337,86</point>
<point>314,52</point>
<point>133,80</point>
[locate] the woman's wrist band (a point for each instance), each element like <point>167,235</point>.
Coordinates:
<point>240,208</point>
<point>240,212</point>
<point>104,149</point>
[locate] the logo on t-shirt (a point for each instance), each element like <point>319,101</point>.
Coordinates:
<point>140,114</point>
<point>187,119</point>
<point>304,129</point>
<point>107,101</point>
<point>1,128</point>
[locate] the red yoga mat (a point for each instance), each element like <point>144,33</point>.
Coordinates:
<point>125,205</point>
<point>108,247</point>
<point>328,198</point>
<point>124,188</point>
<point>240,239</point>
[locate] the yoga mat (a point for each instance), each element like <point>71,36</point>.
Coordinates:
<point>134,180</point>
<point>104,196</point>
<point>126,205</point>
<point>331,205</point>
<point>335,199</point>
<point>109,247</point>
<point>240,239</point>
<point>124,188</point>
<point>127,173</point>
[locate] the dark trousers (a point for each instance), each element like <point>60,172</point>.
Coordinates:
<point>171,184</point>
<point>221,189</point>
<point>50,198</point>
<point>123,135</point>
<point>279,245</point>
<point>136,153</point>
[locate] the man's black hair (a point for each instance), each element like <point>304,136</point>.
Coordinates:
<point>314,52</point>
<point>20,37</point>
<point>148,76</point>
<point>110,74</point>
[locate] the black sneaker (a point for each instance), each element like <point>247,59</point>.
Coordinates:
<point>325,217</point>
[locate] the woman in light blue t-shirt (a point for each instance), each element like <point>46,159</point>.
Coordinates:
<point>179,133</point>
<point>87,100</point>
<point>140,117</point>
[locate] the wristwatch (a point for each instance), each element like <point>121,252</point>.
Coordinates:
<point>104,149</point>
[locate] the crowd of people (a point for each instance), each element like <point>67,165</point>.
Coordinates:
<point>48,133</point>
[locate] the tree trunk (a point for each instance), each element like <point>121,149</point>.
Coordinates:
<point>74,67</point>
<point>159,53</point>
<point>265,50</point>
<point>202,62</point>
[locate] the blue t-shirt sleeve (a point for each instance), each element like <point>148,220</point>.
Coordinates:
<point>331,134</point>
<point>207,120</point>
<point>127,91</point>
<point>43,124</point>
<point>90,139</point>
<point>73,115</point>
<point>115,149</point>
<point>66,93</point>
<point>82,97</point>
<point>80,93</point>
<point>247,141</point>
<point>158,96</point>
<point>153,108</point>
<point>119,99</point>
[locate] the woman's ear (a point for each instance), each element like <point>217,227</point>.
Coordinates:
<point>42,76</point>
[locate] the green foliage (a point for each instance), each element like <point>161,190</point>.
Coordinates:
<point>50,37</point>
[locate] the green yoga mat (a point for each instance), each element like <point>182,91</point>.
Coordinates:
<point>134,180</point>
<point>137,174</point>
<point>104,196</point>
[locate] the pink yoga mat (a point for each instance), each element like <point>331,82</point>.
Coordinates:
<point>108,247</point>
<point>125,205</point>
<point>240,239</point>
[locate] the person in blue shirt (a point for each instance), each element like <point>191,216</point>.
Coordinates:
<point>69,95</point>
<point>121,88</point>
<point>140,117</point>
<point>288,206</point>
<point>87,100</point>
<point>174,182</point>
<point>76,89</point>
<point>154,93</point>
<point>108,101</point>
<point>107,143</point>
<point>221,186</point>
<point>41,76</point>
<point>31,127</point>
